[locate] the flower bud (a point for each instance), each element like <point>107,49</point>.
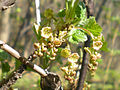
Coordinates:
<point>93,57</point>
<point>40,54</point>
<point>95,63</point>
<point>53,54</point>
<point>44,49</point>
<point>57,42</point>
<point>55,50</point>
<point>48,53</point>
<point>36,45</point>
<point>52,58</point>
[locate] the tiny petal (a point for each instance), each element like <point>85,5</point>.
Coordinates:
<point>52,58</point>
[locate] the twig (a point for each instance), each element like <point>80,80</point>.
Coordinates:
<point>15,54</point>
<point>12,78</point>
<point>90,10</point>
<point>15,75</point>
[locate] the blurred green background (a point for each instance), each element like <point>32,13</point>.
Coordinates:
<point>16,30</point>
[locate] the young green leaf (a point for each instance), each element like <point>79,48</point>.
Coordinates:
<point>5,67</point>
<point>17,64</point>
<point>61,13</point>
<point>80,11</point>
<point>3,55</point>
<point>77,36</point>
<point>93,27</point>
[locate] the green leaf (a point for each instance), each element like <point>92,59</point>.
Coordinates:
<point>105,47</point>
<point>61,13</point>
<point>80,14</point>
<point>70,8</point>
<point>76,36</point>
<point>72,40</point>
<point>80,11</point>
<point>5,67</point>
<point>99,60</point>
<point>37,32</point>
<point>93,27</point>
<point>17,64</point>
<point>3,55</point>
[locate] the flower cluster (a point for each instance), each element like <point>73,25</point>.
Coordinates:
<point>70,69</point>
<point>49,42</point>
<point>94,55</point>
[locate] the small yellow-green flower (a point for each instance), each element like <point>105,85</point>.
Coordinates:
<point>95,56</point>
<point>46,32</point>
<point>97,45</point>
<point>57,42</point>
<point>65,53</point>
<point>73,58</point>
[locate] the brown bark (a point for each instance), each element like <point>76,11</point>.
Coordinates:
<point>4,4</point>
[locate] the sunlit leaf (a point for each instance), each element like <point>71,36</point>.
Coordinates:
<point>77,36</point>
<point>93,27</point>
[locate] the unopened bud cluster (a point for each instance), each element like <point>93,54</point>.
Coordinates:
<point>94,55</point>
<point>70,69</point>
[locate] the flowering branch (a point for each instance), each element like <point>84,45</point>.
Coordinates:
<point>26,62</point>
<point>15,54</point>
<point>15,75</point>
